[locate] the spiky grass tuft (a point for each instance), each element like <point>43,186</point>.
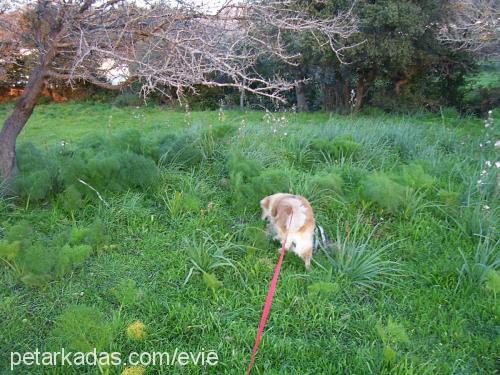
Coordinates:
<point>354,258</point>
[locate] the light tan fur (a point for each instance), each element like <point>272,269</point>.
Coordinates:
<point>277,209</point>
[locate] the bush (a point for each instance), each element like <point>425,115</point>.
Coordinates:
<point>71,199</point>
<point>37,177</point>
<point>379,188</point>
<point>249,182</point>
<point>183,150</point>
<point>83,329</point>
<point>414,176</point>
<point>39,262</point>
<point>109,171</point>
<point>327,182</point>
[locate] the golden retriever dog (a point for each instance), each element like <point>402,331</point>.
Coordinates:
<point>277,209</point>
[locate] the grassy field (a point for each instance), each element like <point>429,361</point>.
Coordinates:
<point>174,255</point>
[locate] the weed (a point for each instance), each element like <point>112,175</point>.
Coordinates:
<point>361,263</point>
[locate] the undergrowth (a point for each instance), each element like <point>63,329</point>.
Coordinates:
<point>139,230</point>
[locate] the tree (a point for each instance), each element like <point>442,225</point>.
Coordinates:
<point>395,55</point>
<point>162,44</point>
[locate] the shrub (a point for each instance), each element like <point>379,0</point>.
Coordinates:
<point>126,292</point>
<point>127,140</point>
<point>326,182</point>
<point>70,257</point>
<point>379,188</point>
<point>137,171</point>
<point>39,262</point>
<point>93,235</point>
<point>270,181</point>
<point>250,183</point>
<point>82,328</point>
<point>71,199</point>
<point>353,175</point>
<point>110,171</point>
<point>449,198</point>
<point>414,176</point>
<point>37,176</point>
<point>183,151</point>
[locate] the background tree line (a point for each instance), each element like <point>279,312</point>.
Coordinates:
<point>398,63</point>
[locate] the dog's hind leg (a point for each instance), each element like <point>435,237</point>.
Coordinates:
<point>307,258</point>
<point>304,249</point>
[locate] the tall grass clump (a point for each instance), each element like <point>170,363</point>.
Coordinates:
<point>182,151</point>
<point>326,183</point>
<point>354,258</point>
<point>208,256</point>
<point>485,263</point>
<point>340,147</point>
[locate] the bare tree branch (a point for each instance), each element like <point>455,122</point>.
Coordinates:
<point>474,26</point>
<point>170,44</point>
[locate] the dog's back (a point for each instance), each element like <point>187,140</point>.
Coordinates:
<point>283,207</point>
<point>292,217</point>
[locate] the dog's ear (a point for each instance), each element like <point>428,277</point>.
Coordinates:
<point>264,203</point>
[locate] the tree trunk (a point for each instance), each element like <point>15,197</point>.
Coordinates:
<point>16,121</point>
<point>328,96</point>
<point>242,99</point>
<point>362,89</point>
<point>300,91</point>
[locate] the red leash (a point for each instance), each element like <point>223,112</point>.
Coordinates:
<point>269,301</point>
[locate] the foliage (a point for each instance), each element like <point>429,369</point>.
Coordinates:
<point>126,292</point>
<point>82,328</point>
<point>180,150</point>
<point>481,90</point>
<point>381,189</point>
<point>353,257</point>
<point>326,182</point>
<point>486,261</point>
<point>318,315</point>
<point>37,262</point>
<point>336,148</point>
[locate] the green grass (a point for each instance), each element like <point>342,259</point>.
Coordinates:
<point>403,290</point>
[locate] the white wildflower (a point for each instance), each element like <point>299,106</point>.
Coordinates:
<point>497,164</point>
<point>487,163</point>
